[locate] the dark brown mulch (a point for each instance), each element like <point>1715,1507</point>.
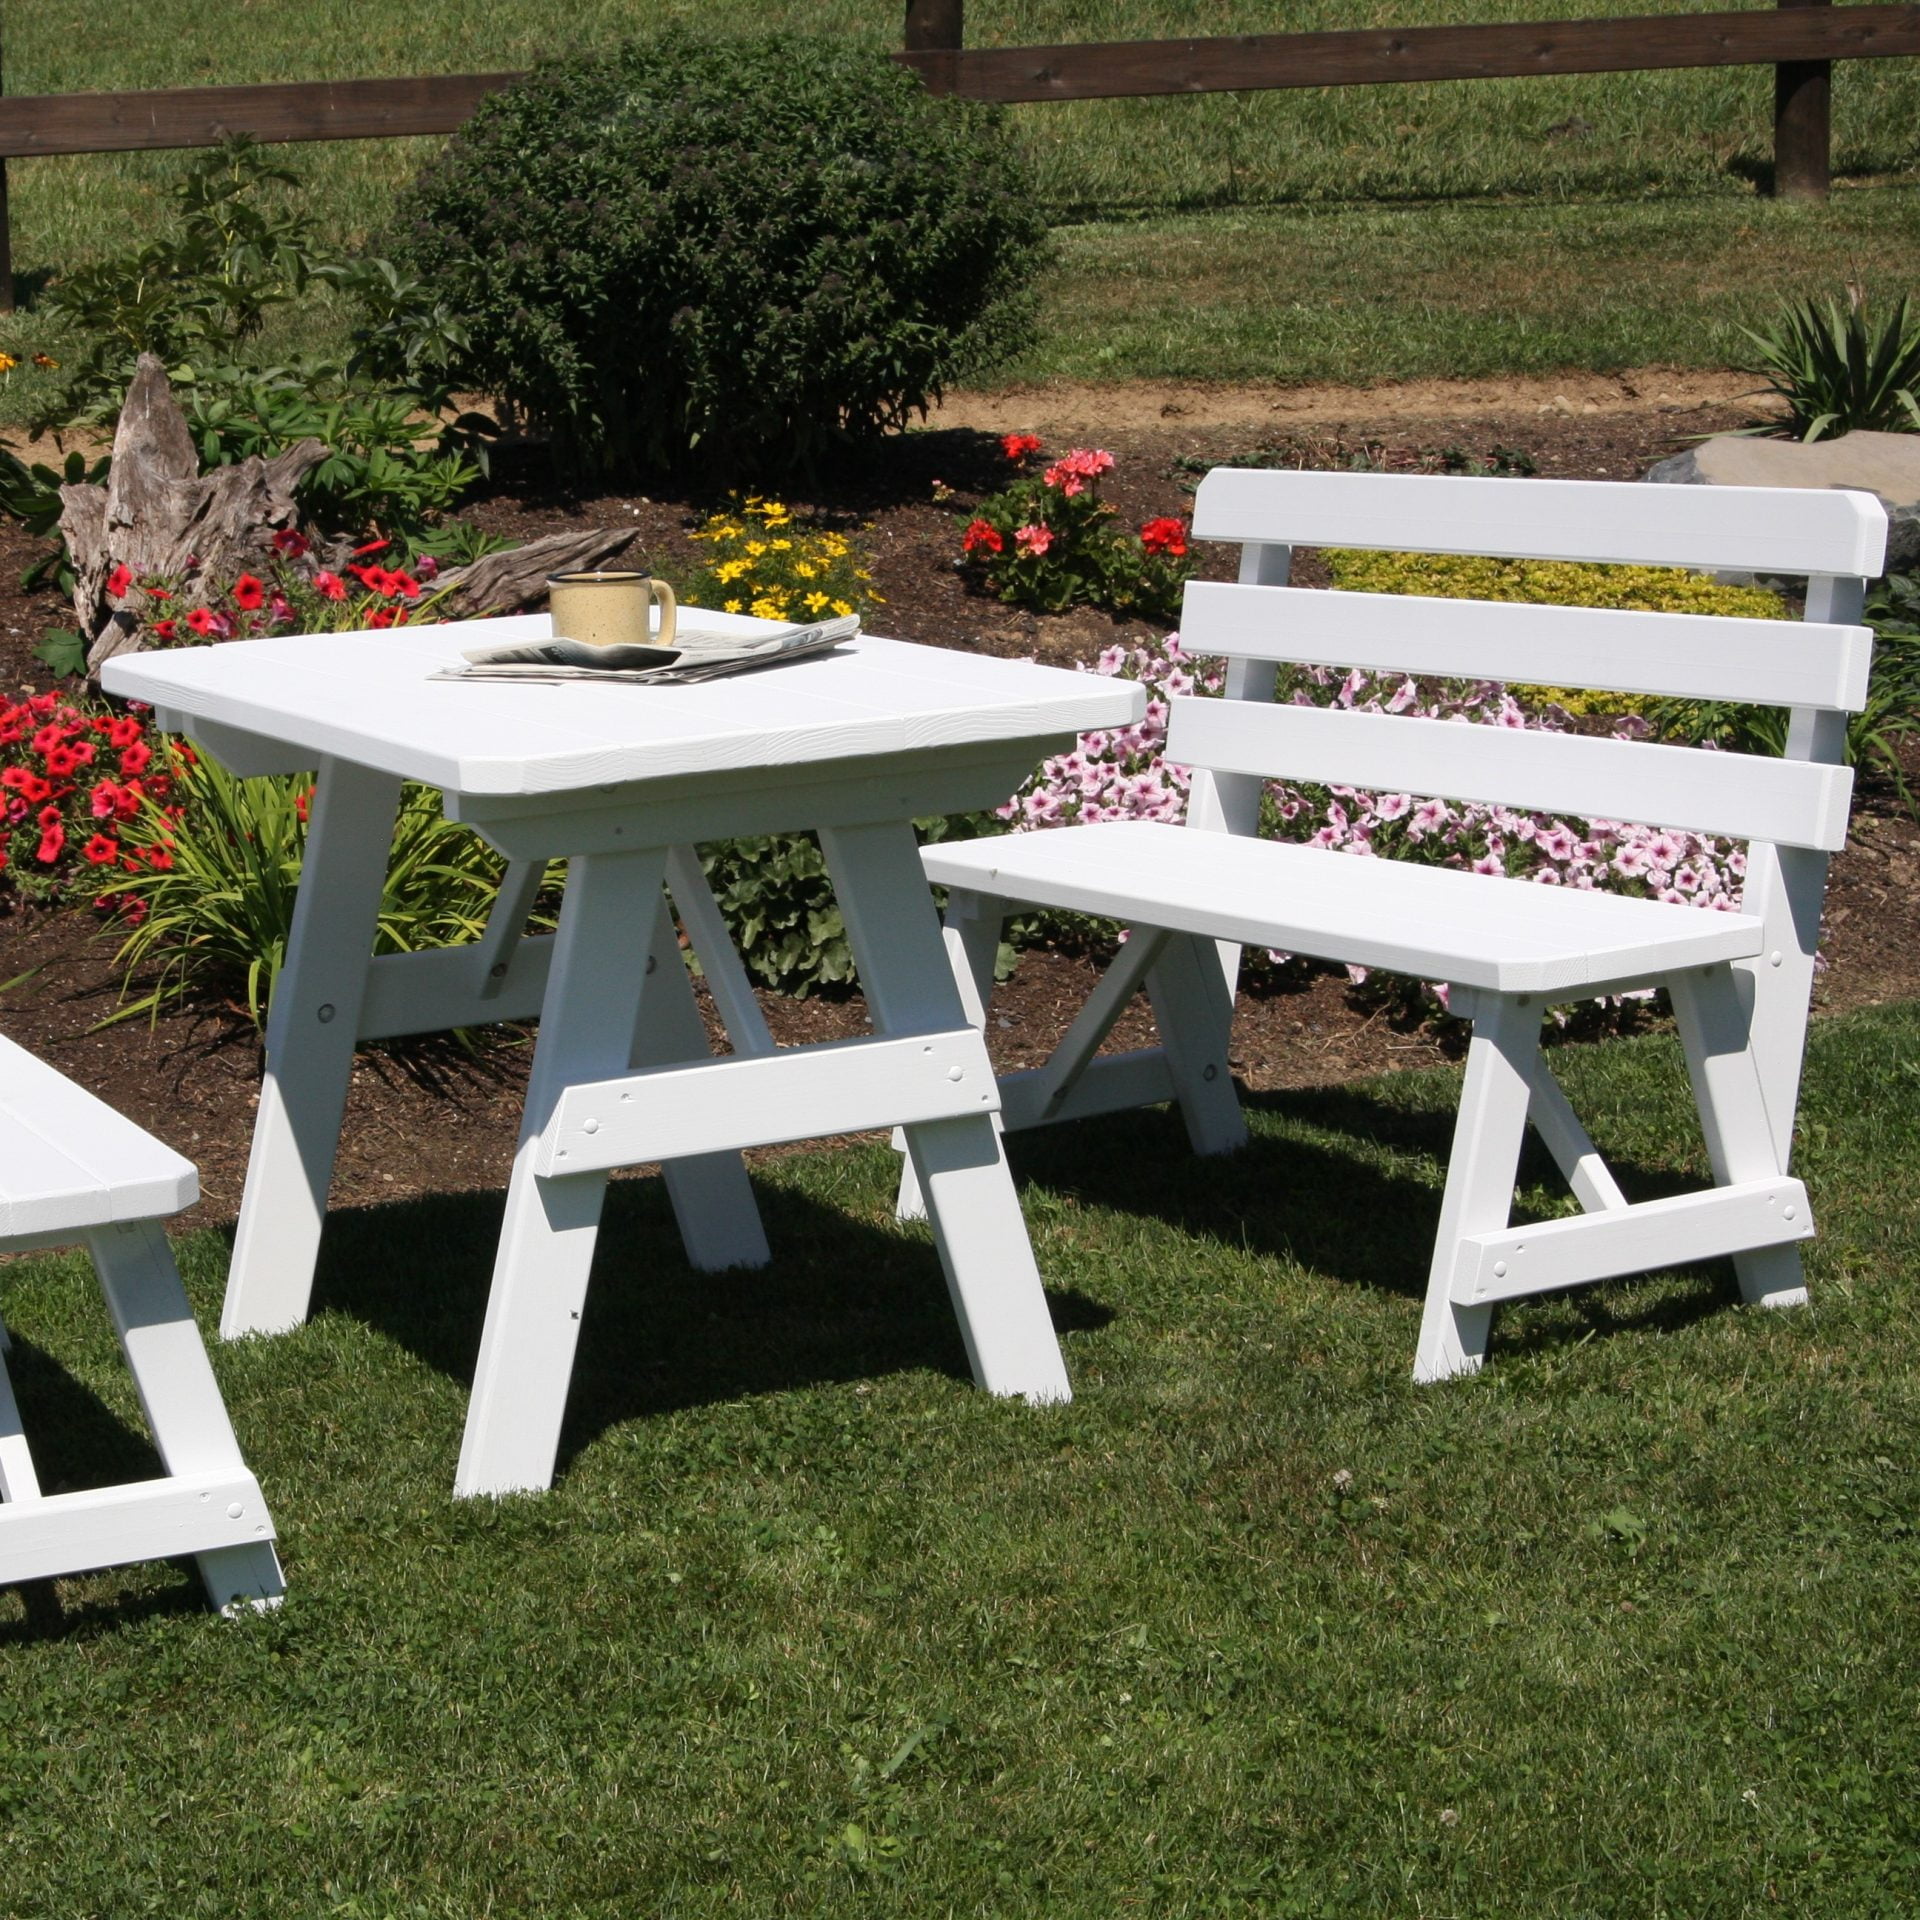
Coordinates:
<point>429,1117</point>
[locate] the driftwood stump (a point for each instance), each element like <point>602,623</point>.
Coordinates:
<point>506,582</point>
<point>158,517</point>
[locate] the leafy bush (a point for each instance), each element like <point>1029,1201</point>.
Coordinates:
<point>778,901</point>
<point>1838,372</point>
<point>761,562</point>
<point>197,297</point>
<point>725,250</point>
<point>389,468</point>
<point>187,296</point>
<point>1050,542</point>
<point>217,865</point>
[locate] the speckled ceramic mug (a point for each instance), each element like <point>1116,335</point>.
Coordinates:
<point>611,609</point>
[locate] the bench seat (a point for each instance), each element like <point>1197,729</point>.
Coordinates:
<point>72,1169</point>
<point>1435,923</point>
<point>69,1162</point>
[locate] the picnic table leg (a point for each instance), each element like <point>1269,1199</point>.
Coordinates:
<point>958,1164</point>
<point>311,1028</point>
<point>587,1026</point>
<point>181,1397</point>
<point>713,1203</point>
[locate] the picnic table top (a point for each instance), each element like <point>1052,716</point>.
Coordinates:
<point>369,698</point>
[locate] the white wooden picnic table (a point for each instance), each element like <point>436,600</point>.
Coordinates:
<point>624,781</point>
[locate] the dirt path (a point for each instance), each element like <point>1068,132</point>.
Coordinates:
<point>1073,407</point>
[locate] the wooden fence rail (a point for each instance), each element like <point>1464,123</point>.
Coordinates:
<point>1799,39</point>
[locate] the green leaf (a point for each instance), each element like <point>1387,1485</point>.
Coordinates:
<point>63,650</point>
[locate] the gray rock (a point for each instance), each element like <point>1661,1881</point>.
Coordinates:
<point>1886,464</point>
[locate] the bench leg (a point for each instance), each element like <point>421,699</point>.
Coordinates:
<point>1480,1173</point>
<point>180,1395</point>
<point>1193,1009</point>
<point>959,1164</point>
<point>1716,1033</point>
<point>311,1029</point>
<point>18,1481</point>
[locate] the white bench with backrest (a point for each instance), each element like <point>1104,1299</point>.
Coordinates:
<point>73,1170</point>
<point>1739,982</point>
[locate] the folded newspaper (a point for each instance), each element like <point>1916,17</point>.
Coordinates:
<point>698,654</point>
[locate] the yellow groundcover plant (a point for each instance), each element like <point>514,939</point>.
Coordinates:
<point>761,560</point>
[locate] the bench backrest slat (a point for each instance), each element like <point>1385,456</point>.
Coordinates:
<point>1742,796</point>
<point>1687,656</point>
<point>1756,529</point>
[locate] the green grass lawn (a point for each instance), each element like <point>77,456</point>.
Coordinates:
<point>1350,233</point>
<point>1624,1627</point>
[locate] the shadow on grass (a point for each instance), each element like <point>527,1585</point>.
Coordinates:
<point>841,1301</point>
<point>1342,1213</point>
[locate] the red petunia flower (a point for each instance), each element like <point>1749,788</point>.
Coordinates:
<point>202,621</point>
<point>122,731</point>
<point>290,543</point>
<point>381,617</point>
<point>119,580</point>
<point>249,593</point>
<point>166,629</point>
<point>135,758</point>
<point>100,851</point>
<point>330,584</point>
<point>372,546</point>
<point>62,761</point>
<point>53,836</point>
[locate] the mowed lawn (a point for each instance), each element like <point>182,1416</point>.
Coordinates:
<point>1350,233</point>
<point>1626,1626</point>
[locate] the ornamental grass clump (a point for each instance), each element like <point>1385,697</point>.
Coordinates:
<point>212,871</point>
<point>728,254</point>
<point>1838,371</point>
<point>1048,541</point>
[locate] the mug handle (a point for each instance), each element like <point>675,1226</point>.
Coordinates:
<point>669,612</point>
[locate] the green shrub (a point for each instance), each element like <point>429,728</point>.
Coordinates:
<point>1839,372</point>
<point>729,251</point>
<point>389,468</point>
<point>239,250</point>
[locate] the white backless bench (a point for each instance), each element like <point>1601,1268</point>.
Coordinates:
<point>1739,983</point>
<point>73,1170</point>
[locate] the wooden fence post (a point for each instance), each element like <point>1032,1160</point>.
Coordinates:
<point>936,26</point>
<point>6,225</point>
<point>1802,124</point>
